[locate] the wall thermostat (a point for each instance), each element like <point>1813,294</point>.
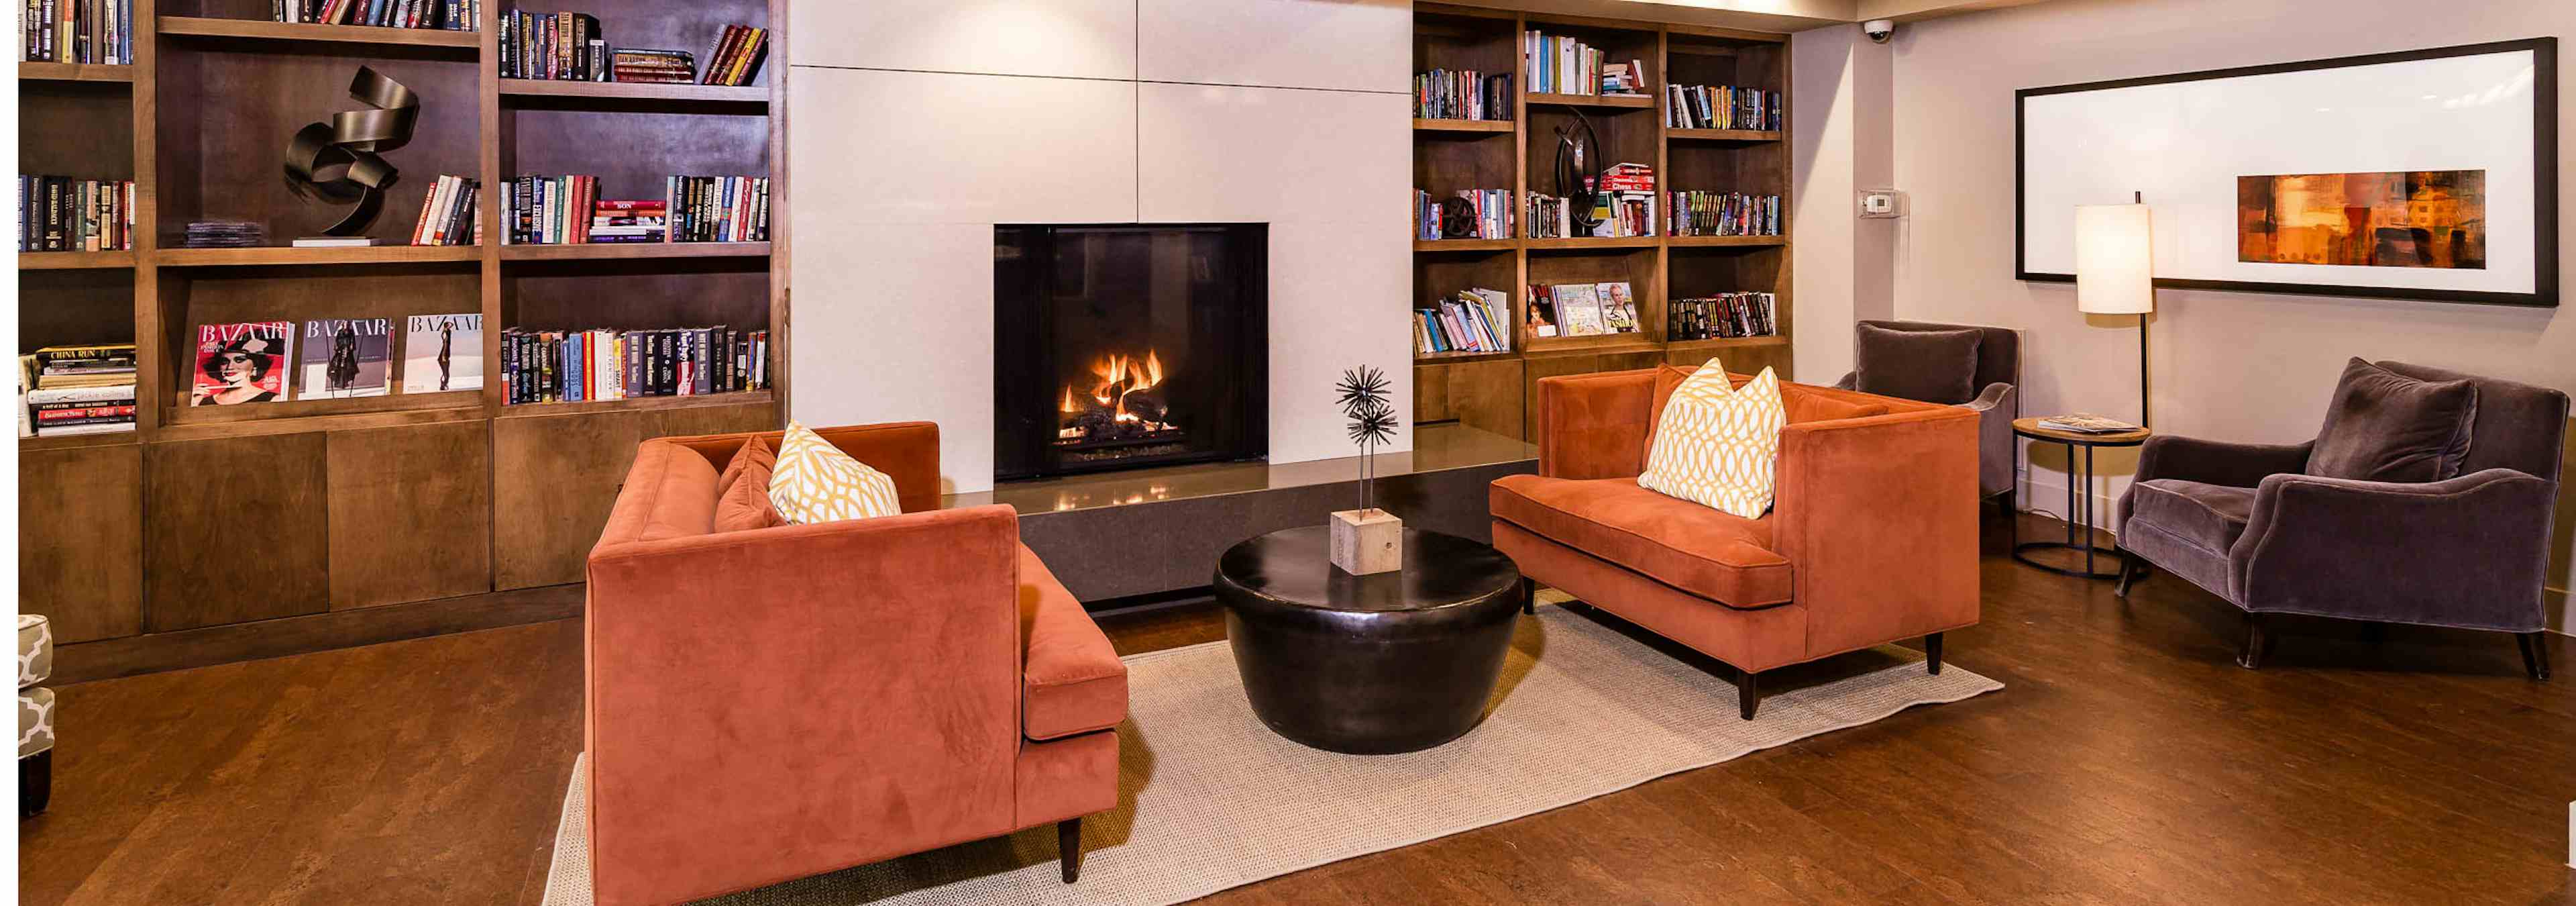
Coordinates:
<point>1877,203</point>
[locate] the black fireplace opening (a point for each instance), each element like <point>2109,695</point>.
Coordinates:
<point>1121,346</point>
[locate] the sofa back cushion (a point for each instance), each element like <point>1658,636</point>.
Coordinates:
<point>745,505</point>
<point>2385,426</point>
<point>2518,426</point>
<point>753,451</point>
<point>1717,444</point>
<point>669,493</point>
<point>1934,366</point>
<point>815,482</point>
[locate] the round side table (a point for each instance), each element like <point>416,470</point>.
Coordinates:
<point>2079,505</point>
<point>1368,665</point>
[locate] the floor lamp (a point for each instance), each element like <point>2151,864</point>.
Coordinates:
<point>2115,270</point>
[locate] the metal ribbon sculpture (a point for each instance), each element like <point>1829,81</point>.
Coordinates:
<point>337,161</point>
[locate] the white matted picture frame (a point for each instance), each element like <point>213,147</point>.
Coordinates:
<point>2427,174</point>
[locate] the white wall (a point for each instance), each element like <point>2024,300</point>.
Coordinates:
<point>914,126</point>
<point>2246,366</point>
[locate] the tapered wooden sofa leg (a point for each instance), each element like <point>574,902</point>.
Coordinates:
<point>1748,693</point>
<point>2251,656</point>
<point>1068,843</point>
<point>1932,653</point>
<point>2535,654</point>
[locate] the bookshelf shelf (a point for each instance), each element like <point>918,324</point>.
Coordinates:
<point>705,94</point>
<point>1723,241</point>
<point>182,413</point>
<point>1725,343</point>
<point>289,255</point>
<point>741,398</point>
<point>70,261</point>
<point>1614,101</point>
<point>1593,242</point>
<point>78,441</point>
<point>281,418</point>
<point>1465,245</point>
<point>75,72</point>
<point>1496,127</point>
<point>1601,344</point>
<point>1721,135</point>
<point>254,30</point>
<point>1461,356</point>
<point>607,251</point>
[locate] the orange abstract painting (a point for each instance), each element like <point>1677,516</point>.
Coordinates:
<point>2434,218</point>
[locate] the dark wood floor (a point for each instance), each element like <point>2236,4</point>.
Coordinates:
<point>2129,761</point>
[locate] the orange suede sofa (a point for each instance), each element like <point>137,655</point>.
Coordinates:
<point>771,703</point>
<point>1872,536</point>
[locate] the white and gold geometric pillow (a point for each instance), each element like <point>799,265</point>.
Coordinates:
<point>816,482</point>
<point>1717,444</point>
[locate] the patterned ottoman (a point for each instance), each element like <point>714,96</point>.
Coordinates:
<point>35,715</point>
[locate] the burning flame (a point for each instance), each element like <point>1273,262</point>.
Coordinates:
<point>1119,376</point>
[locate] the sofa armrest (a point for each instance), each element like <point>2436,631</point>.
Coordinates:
<point>2470,552</point>
<point>1594,425</point>
<point>1073,681</point>
<point>1878,519</point>
<point>1850,381</point>
<point>2217,462</point>
<point>736,679</point>
<point>1996,408</point>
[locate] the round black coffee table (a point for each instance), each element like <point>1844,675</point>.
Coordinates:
<point>1369,665</point>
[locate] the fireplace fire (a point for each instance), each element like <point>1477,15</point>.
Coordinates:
<point>1121,407</point>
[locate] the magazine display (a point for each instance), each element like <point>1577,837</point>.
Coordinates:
<point>442,352</point>
<point>242,363</point>
<point>345,358</point>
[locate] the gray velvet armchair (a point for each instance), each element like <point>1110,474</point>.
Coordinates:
<point>2427,499</point>
<point>1956,364</point>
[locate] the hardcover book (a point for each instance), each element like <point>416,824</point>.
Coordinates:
<point>242,363</point>
<point>345,358</point>
<point>443,352</point>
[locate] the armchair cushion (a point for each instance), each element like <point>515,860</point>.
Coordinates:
<point>1072,681</point>
<point>2469,552</point>
<point>2209,515</point>
<point>1933,366</point>
<point>2385,426</point>
<point>1723,558</point>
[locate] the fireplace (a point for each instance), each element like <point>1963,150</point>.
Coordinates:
<point>1129,345</point>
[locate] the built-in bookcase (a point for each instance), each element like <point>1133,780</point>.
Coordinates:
<point>476,500</point>
<point>1492,390</point>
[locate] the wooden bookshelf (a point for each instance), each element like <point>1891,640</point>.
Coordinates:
<point>1492,390</point>
<point>475,498</point>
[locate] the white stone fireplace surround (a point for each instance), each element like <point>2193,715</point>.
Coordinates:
<point>917,125</point>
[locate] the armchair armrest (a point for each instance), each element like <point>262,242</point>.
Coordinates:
<point>735,679</point>
<point>1850,381</point>
<point>1878,519</point>
<point>2218,462</point>
<point>1594,425</point>
<point>2470,552</point>
<point>1996,408</point>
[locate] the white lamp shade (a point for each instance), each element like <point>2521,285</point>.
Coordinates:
<point>2115,259</point>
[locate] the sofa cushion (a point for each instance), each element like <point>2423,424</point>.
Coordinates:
<point>746,505</point>
<point>1804,403</point>
<point>679,497</point>
<point>2209,515</point>
<point>1723,558</point>
<point>35,649</point>
<point>1719,445</point>
<point>1934,366</point>
<point>2385,426</point>
<point>754,451</point>
<point>1071,679</point>
<point>815,482</point>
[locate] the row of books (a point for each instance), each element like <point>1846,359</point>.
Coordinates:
<point>1582,309</point>
<point>66,390</point>
<point>1563,65</point>
<point>449,216</point>
<point>1721,107</point>
<point>1722,315</point>
<point>553,46</point>
<point>652,67</point>
<point>339,358</point>
<point>567,210</point>
<point>77,31</point>
<point>1456,94</point>
<point>1475,320</point>
<point>737,57</point>
<point>1725,214</point>
<point>62,214</point>
<point>1471,214</point>
<point>442,15</point>
<point>550,366</point>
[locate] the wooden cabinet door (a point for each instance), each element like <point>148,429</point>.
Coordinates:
<point>411,513</point>
<point>237,530</point>
<point>80,540</point>
<point>555,477</point>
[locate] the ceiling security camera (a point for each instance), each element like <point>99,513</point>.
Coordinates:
<point>1879,30</point>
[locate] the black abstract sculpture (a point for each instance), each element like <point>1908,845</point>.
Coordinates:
<point>1363,399</point>
<point>1578,181</point>
<point>338,163</point>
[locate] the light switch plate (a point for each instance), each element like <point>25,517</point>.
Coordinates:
<point>1881,203</point>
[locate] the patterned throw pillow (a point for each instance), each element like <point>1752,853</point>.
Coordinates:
<point>816,482</point>
<point>1717,444</point>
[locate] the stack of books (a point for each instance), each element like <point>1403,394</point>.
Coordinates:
<point>553,47</point>
<point>1450,94</point>
<point>1582,309</point>
<point>76,390</point>
<point>444,15</point>
<point>547,210</point>
<point>449,216</point>
<point>1721,107</point>
<point>1725,214</point>
<point>1489,212</point>
<point>1722,315</point>
<point>630,221</point>
<point>62,214</point>
<point>1626,201</point>
<point>223,234</point>
<point>1562,65</point>
<point>652,67</point>
<point>717,208</point>
<point>551,366</point>
<point>1475,320</point>
<point>738,55</point>
<point>78,31</point>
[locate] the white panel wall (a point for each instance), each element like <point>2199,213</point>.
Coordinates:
<point>894,322</point>
<point>1091,39</point>
<point>1355,45</point>
<point>919,147</point>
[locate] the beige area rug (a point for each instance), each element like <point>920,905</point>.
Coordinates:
<point>1211,799</point>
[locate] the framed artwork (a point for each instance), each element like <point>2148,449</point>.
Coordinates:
<point>2428,174</point>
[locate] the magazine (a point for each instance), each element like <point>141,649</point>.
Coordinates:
<point>442,352</point>
<point>345,358</point>
<point>242,363</point>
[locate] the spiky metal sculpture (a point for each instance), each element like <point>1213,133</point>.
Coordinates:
<point>1362,396</point>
